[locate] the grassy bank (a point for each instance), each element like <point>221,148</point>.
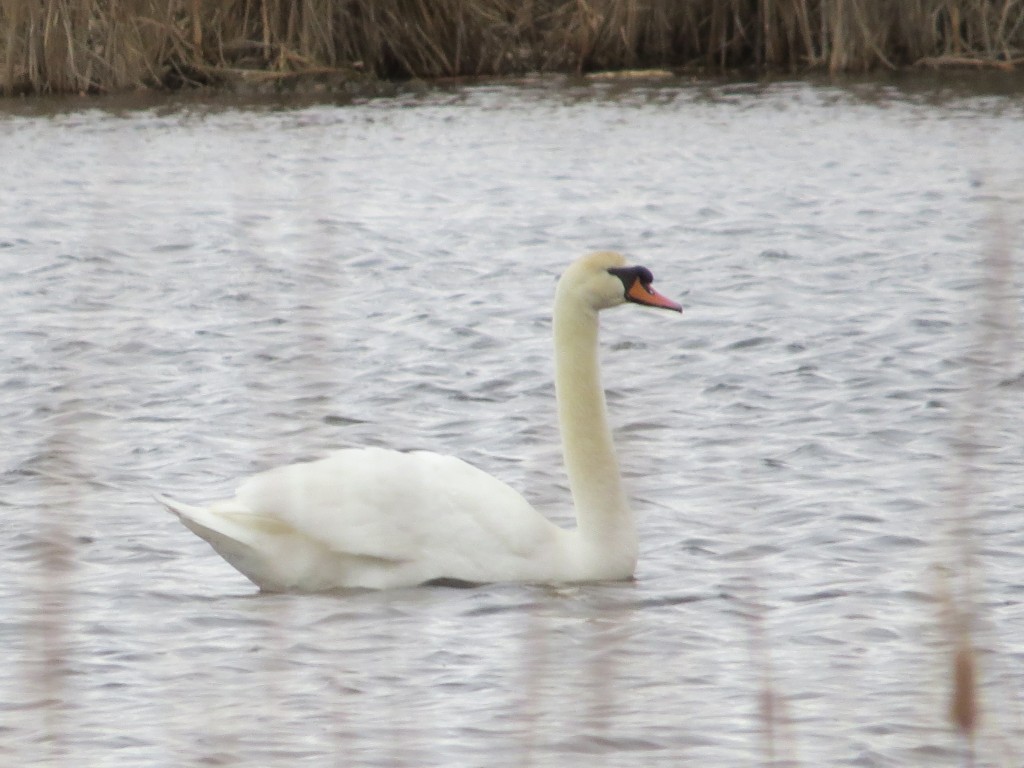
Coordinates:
<point>106,45</point>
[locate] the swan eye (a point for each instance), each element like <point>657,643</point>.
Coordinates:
<point>631,275</point>
<point>636,282</point>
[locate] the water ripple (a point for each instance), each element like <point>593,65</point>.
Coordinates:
<point>197,292</point>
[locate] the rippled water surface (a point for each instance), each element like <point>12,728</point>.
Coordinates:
<point>195,292</point>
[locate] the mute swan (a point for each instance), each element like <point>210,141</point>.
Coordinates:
<point>377,518</point>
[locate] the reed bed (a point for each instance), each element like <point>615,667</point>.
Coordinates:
<point>106,45</point>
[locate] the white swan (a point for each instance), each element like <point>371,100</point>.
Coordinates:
<point>376,518</point>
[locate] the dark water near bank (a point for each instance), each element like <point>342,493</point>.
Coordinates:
<point>194,292</point>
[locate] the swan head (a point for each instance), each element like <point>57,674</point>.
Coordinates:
<point>605,279</point>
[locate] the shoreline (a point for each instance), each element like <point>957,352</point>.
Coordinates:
<point>246,85</point>
<point>252,90</point>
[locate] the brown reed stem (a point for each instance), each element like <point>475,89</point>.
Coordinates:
<point>772,710</point>
<point>91,45</point>
<point>990,360</point>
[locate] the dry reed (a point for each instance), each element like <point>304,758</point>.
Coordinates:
<point>96,45</point>
<point>778,741</point>
<point>991,360</point>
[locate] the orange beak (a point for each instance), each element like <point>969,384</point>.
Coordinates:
<point>644,294</point>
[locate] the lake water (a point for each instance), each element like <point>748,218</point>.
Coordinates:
<point>822,453</point>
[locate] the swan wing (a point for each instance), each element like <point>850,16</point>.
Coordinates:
<point>391,504</point>
<point>377,517</point>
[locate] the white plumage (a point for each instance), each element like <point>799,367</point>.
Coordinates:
<point>377,518</point>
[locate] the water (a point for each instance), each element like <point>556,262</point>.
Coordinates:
<point>196,291</point>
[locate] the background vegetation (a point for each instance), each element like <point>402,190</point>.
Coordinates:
<point>104,45</point>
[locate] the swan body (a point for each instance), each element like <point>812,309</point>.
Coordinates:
<point>377,518</point>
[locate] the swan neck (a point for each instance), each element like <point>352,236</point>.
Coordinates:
<point>602,512</point>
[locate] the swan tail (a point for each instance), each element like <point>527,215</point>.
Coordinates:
<point>180,509</point>
<point>227,518</point>
<point>242,538</point>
